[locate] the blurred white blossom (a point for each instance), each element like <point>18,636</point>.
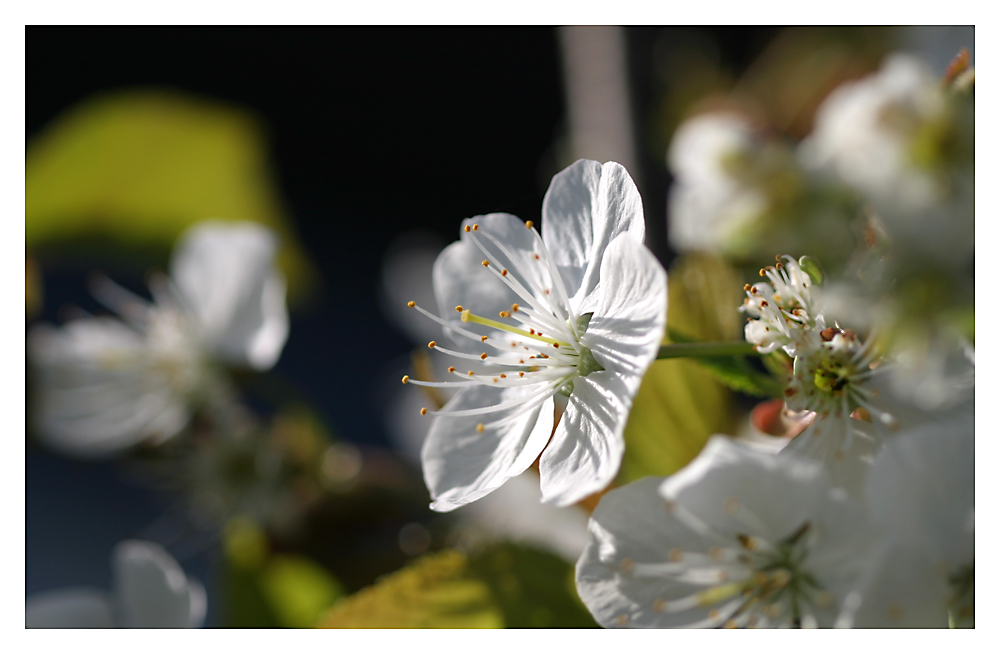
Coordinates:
<point>710,199</point>
<point>150,591</point>
<point>104,384</point>
<point>738,538</point>
<point>586,312</point>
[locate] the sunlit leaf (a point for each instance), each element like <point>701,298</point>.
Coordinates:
<point>136,167</point>
<point>680,403</point>
<point>533,588</point>
<point>436,591</point>
<point>298,590</point>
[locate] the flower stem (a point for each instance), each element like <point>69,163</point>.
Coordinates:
<point>699,350</point>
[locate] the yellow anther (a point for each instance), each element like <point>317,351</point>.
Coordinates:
<point>763,303</point>
<point>762,273</point>
<point>411,304</point>
<point>536,256</point>
<point>451,368</point>
<point>460,308</point>
<point>468,229</point>
<point>480,428</point>
<point>432,344</point>
<point>514,307</point>
<point>406,378</point>
<point>482,356</point>
<point>482,338</point>
<point>746,287</point>
<point>423,411</point>
<point>503,376</point>
<point>777,258</point>
<point>555,345</point>
<point>521,374</point>
<point>475,228</point>
<point>486,263</point>
<point>504,314</point>
<point>472,372</point>
<point>529,224</point>
<point>749,543</point>
<point>504,272</point>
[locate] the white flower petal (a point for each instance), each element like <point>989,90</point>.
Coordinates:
<point>922,487</point>
<point>99,388</point>
<point>903,589</point>
<point>227,279</point>
<point>461,279</point>
<point>631,524</point>
<point>723,486</point>
<point>462,464</point>
<point>846,448</point>
<point>69,608</point>
<point>629,309</point>
<point>586,449</point>
<point>586,206</point>
<point>152,589</point>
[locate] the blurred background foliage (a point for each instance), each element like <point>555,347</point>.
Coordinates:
<point>130,170</point>
<point>342,140</point>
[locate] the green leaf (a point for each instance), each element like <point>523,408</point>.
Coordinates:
<point>136,167</point>
<point>436,591</point>
<point>680,403</point>
<point>503,585</point>
<point>298,590</point>
<point>532,588</point>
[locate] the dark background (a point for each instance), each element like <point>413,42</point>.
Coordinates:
<point>374,132</point>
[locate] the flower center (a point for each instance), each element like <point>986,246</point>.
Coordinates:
<point>535,343</point>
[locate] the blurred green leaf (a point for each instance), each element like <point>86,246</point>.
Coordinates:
<point>680,403</point>
<point>533,588</point>
<point>138,166</point>
<point>436,591</point>
<point>298,590</point>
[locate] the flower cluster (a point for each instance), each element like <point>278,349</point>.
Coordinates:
<point>866,517</point>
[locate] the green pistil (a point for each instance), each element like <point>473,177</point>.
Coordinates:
<point>831,377</point>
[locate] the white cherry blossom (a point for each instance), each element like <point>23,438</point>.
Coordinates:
<point>577,311</point>
<point>738,538</point>
<point>104,384</point>
<point>150,591</point>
